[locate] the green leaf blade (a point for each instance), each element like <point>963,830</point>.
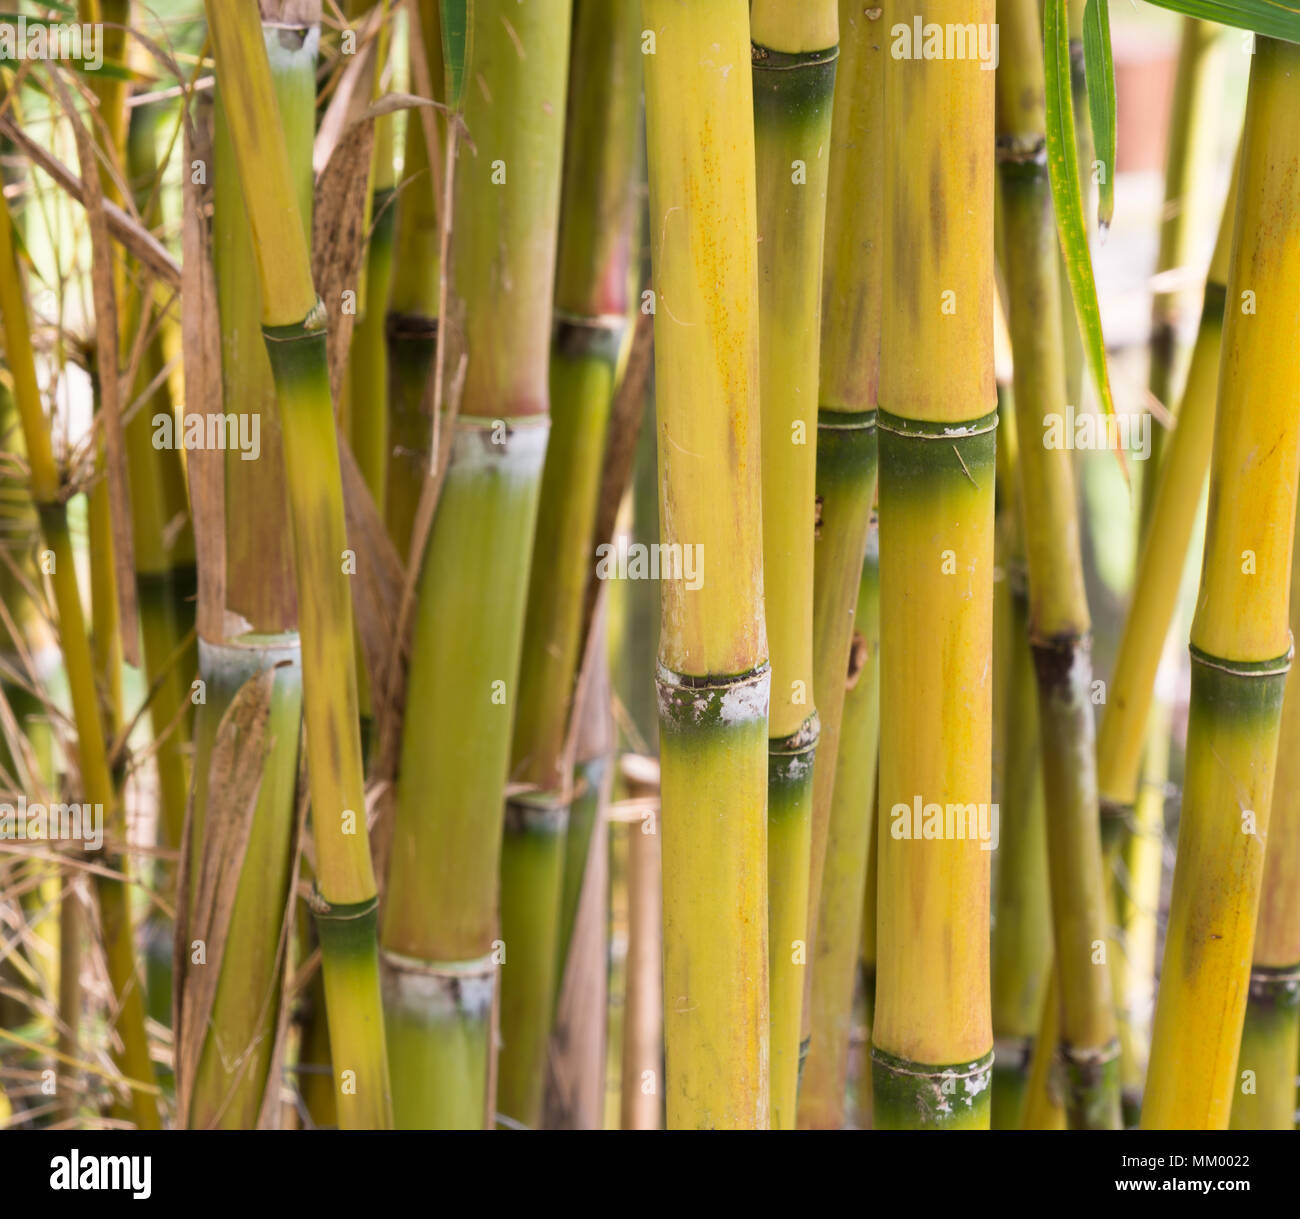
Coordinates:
<point>457,16</point>
<point>1272,18</point>
<point>1067,196</point>
<point>1099,70</point>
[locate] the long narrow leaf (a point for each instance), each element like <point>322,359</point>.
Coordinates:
<point>1099,71</point>
<point>1067,195</point>
<point>456,30</point>
<point>1272,18</point>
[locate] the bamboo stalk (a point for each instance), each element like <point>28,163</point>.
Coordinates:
<point>713,676</point>
<point>593,296</point>
<point>835,957</point>
<point>846,419</point>
<point>1136,892</point>
<point>1155,591</point>
<point>346,902</point>
<point>1187,165</point>
<point>111,138</point>
<point>163,550</point>
<point>1240,640</point>
<point>1044,1099</point>
<point>863,1101</point>
<point>1022,920</point>
<point>794,54</point>
<point>440,935</point>
<point>641,1093</point>
<point>1270,1039</point>
<point>411,323</point>
<point>932,1040</point>
<point>1059,623</point>
<point>226,1082</point>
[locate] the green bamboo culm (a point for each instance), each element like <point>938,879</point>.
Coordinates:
<point>1022,916</point>
<point>254,667</point>
<point>345,901</point>
<point>366,386</point>
<point>231,1086</point>
<point>593,300</point>
<point>794,54</point>
<point>411,321</point>
<point>1179,485</point>
<point>163,535</point>
<point>440,932</point>
<point>712,675</point>
<point>1188,163</point>
<point>163,547</point>
<point>1240,640</point>
<point>1059,623</point>
<point>363,395</point>
<point>849,366</point>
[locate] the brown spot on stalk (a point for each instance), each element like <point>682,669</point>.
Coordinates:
<point>938,208</point>
<point>859,651</point>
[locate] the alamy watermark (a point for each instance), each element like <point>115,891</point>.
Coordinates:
<point>919,822</point>
<point>81,42</point>
<point>25,822</point>
<point>1086,430</point>
<point>930,40</point>
<point>230,432</point>
<point>624,560</point>
<point>125,1174</point>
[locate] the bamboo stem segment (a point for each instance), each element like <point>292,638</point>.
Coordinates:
<point>794,85</point>
<point>713,676</point>
<point>1240,641</point>
<point>294,331</point>
<point>849,365</point>
<point>932,1041</point>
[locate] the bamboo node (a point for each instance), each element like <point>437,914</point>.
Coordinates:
<point>536,812</point>
<point>726,701</point>
<point>926,429</point>
<point>1275,985</point>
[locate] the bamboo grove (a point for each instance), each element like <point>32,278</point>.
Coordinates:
<point>552,574</point>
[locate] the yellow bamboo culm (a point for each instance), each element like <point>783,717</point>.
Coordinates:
<point>713,674</point>
<point>345,902</point>
<point>932,1040</point>
<point>1240,639</point>
<point>794,51</point>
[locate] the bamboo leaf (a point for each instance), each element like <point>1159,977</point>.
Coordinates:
<point>1099,70</point>
<point>457,16</point>
<point>1067,195</point>
<point>1272,18</point>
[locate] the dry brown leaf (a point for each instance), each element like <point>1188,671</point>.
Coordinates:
<point>338,223</point>
<point>201,343</point>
